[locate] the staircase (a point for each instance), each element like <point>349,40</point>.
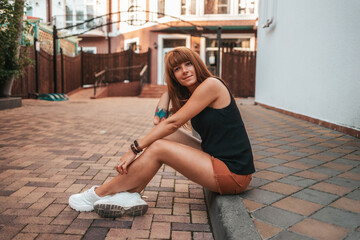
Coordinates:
<point>152,91</point>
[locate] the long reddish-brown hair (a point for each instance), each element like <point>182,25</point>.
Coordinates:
<point>179,94</point>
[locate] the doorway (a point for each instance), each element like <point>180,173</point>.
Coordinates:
<point>166,44</point>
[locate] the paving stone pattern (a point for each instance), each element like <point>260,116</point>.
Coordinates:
<point>306,185</point>
<point>307,179</point>
<point>50,150</point>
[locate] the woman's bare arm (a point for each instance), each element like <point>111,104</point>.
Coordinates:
<point>162,109</point>
<point>205,94</point>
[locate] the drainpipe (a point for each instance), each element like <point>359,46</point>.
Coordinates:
<point>36,66</point>
<point>109,26</point>
<point>219,52</point>
<point>54,56</point>
<point>49,8</point>
<point>109,43</point>
<point>62,70</point>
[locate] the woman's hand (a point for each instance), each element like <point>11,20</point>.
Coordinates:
<point>125,162</point>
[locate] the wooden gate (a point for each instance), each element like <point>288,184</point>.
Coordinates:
<point>74,72</point>
<point>118,66</point>
<point>238,71</point>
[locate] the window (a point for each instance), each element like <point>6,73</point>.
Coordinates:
<point>216,6</point>
<point>246,6</point>
<point>161,8</point>
<point>136,16</point>
<point>237,43</point>
<point>89,49</point>
<point>28,10</point>
<point>132,44</point>
<point>173,43</point>
<point>69,15</point>
<point>80,17</point>
<point>212,49</point>
<point>188,7</point>
<point>77,11</point>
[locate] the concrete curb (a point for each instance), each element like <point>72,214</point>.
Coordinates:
<point>229,218</point>
<point>10,102</point>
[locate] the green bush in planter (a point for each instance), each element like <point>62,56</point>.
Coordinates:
<point>11,27</point>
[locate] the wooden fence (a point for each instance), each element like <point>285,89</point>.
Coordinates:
<point>238,70</point>
<point>120,66</point>
<point>24,84</point>
<point>75,72</point>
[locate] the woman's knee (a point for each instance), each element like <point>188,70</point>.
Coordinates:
<point>157,148</point>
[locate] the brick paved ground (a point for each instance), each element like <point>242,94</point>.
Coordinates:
<point>50,150</point>
<point>306,185</point>
<point>307,180</point>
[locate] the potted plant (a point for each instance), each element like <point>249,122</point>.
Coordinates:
<point>11,27</point>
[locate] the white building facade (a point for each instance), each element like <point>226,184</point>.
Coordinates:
<point>308,60</point>
<point>158,25</point>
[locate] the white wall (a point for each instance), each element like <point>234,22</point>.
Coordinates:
<point>39,9</point>
<point>58,10</point>
<point>308,61</point>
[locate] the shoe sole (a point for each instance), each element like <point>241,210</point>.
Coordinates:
<point>114,211</point>
<point>80,208</point>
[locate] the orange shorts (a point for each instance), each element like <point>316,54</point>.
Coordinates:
<point>226,181</point>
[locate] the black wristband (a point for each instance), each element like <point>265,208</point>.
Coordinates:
<point>137,146</point>
<point>133,148</point>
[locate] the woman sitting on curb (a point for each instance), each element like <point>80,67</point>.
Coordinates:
<point>223,162</point>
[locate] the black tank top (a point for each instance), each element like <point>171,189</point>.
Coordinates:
<point>224,137</point>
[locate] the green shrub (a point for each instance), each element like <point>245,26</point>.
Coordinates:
<point>11,27</point>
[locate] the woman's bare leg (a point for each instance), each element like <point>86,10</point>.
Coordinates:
<point>184,137</point>
<point>192,163</point>
<point>179,150</point>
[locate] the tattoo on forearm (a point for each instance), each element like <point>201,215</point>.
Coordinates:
<point>161,113</point>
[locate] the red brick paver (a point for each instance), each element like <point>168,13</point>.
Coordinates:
<point>306,185</point>
<point>319,230</point>
<point>307,180</point>
<point>50,150</point>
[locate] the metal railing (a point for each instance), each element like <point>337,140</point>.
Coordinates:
<point>99,80</point>
<point>106,76</point>
<point>143,76</point>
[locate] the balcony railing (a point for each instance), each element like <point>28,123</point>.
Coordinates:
<point>77,24</point>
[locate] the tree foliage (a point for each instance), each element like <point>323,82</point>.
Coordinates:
<point>11,21</point>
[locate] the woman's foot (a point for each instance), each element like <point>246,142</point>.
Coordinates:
<point>84,202</point>
<point>121,204</point>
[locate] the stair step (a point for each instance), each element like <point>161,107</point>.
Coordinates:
<point>152,91</point>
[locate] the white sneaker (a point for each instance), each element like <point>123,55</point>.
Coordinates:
<point>84,202</point>
<point>120,204</point>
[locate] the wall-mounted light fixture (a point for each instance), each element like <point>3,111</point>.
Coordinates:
<point>270,12</point>
<point>155,45</point>
<point>268,23</point>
